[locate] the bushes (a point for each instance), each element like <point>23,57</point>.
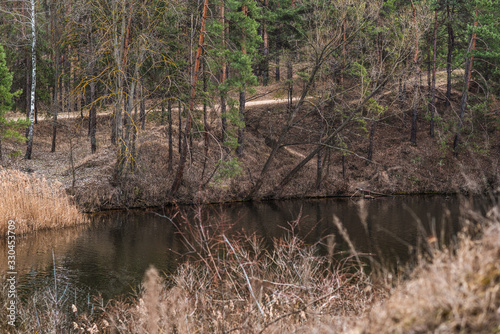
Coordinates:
<point>246,289</point>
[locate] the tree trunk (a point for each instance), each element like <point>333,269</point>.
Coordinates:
<point>413,137</point>
<point>142,115</point>
<point>113,126</point>
<point>179,143</point>
<point>62,86</point>
<point>379,49</point>
<point>223,75</point>
<point>120,55</point>
<point>93,118</point>
<point>119,123</point>
<point>406,76</point>
<point>205,122</point>
<point>370,147</point>
<point>131,121</point>
<point>265,72</point>
<point>170,139</point>
<point>28,90</point>
<point>33,81</point>
<point>78,101</point>
<point>54,130</point>
<point>241,127</point>
<point>162,114</point>
<point>433,108</point>
<point>414,116</point>
<point>463,105</point>
<point>342,69</point>
<point>55,102</point>
<point>467,78</point>
<point>69,72</point>
<point>278,46</point>
<point>429,66</point>
<point>135,129</point>
<point>289,76</point>
<point>183,157</point>
<point>451,45</point>
<point>319,171</point>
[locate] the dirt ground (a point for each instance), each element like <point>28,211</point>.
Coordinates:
<point>397,166</point>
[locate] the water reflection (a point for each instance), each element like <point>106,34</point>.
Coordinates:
<point>111,255</point>
<point>391,230</point>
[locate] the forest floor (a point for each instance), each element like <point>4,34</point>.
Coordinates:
<point>397,167</point>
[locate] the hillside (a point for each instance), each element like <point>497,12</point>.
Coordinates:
<point>397,167</point>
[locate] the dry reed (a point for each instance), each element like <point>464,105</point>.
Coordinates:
<point>34,203</point>
<point>243,288</point>
<point>458,292</point>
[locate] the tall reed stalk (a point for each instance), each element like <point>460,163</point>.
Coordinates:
<point>34,203</point>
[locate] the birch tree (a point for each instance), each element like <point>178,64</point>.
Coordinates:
<point>32,20</point>
<point>26,15</point>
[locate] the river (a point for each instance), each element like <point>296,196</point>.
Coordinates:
<point>111,255</point>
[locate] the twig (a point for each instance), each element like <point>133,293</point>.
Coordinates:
<point>345,235</point>
<point>373,192</point>
<point>163,216</point>
<point>297,311</point>
<point>246,278</point>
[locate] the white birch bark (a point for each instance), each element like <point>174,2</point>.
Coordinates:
<point>33,80</point>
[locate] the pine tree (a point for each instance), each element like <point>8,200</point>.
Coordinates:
<point>7,127</point>
<point>243,14</point>
<point>482,55</point>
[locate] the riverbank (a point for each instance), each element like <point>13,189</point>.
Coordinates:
<point>396,167</point>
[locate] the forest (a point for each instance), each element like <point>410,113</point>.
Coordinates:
<point>126,127</point>
<point>238,99</point>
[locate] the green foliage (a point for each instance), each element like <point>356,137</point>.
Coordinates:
<point>245,40</point>
<point>15,154</point>
<point>375,108</point>
<point>237,50</point>
<point>5,85</point>
<point>487,53</point>
<point>414,179</point>
<point>480,148</point>
<point>228,169</point>
<point>342,145</point>
<point>233,116</point>
<point>358,70</point>
<point>7,127</point>
<point>284,23</point>
<point>417,160</point>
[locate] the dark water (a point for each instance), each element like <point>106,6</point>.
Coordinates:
<point>112,255</point>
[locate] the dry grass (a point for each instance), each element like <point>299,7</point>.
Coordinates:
<point>248,290</point>
<point>239,286</point>
<point>458,292</point>
<point>34,203</point>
